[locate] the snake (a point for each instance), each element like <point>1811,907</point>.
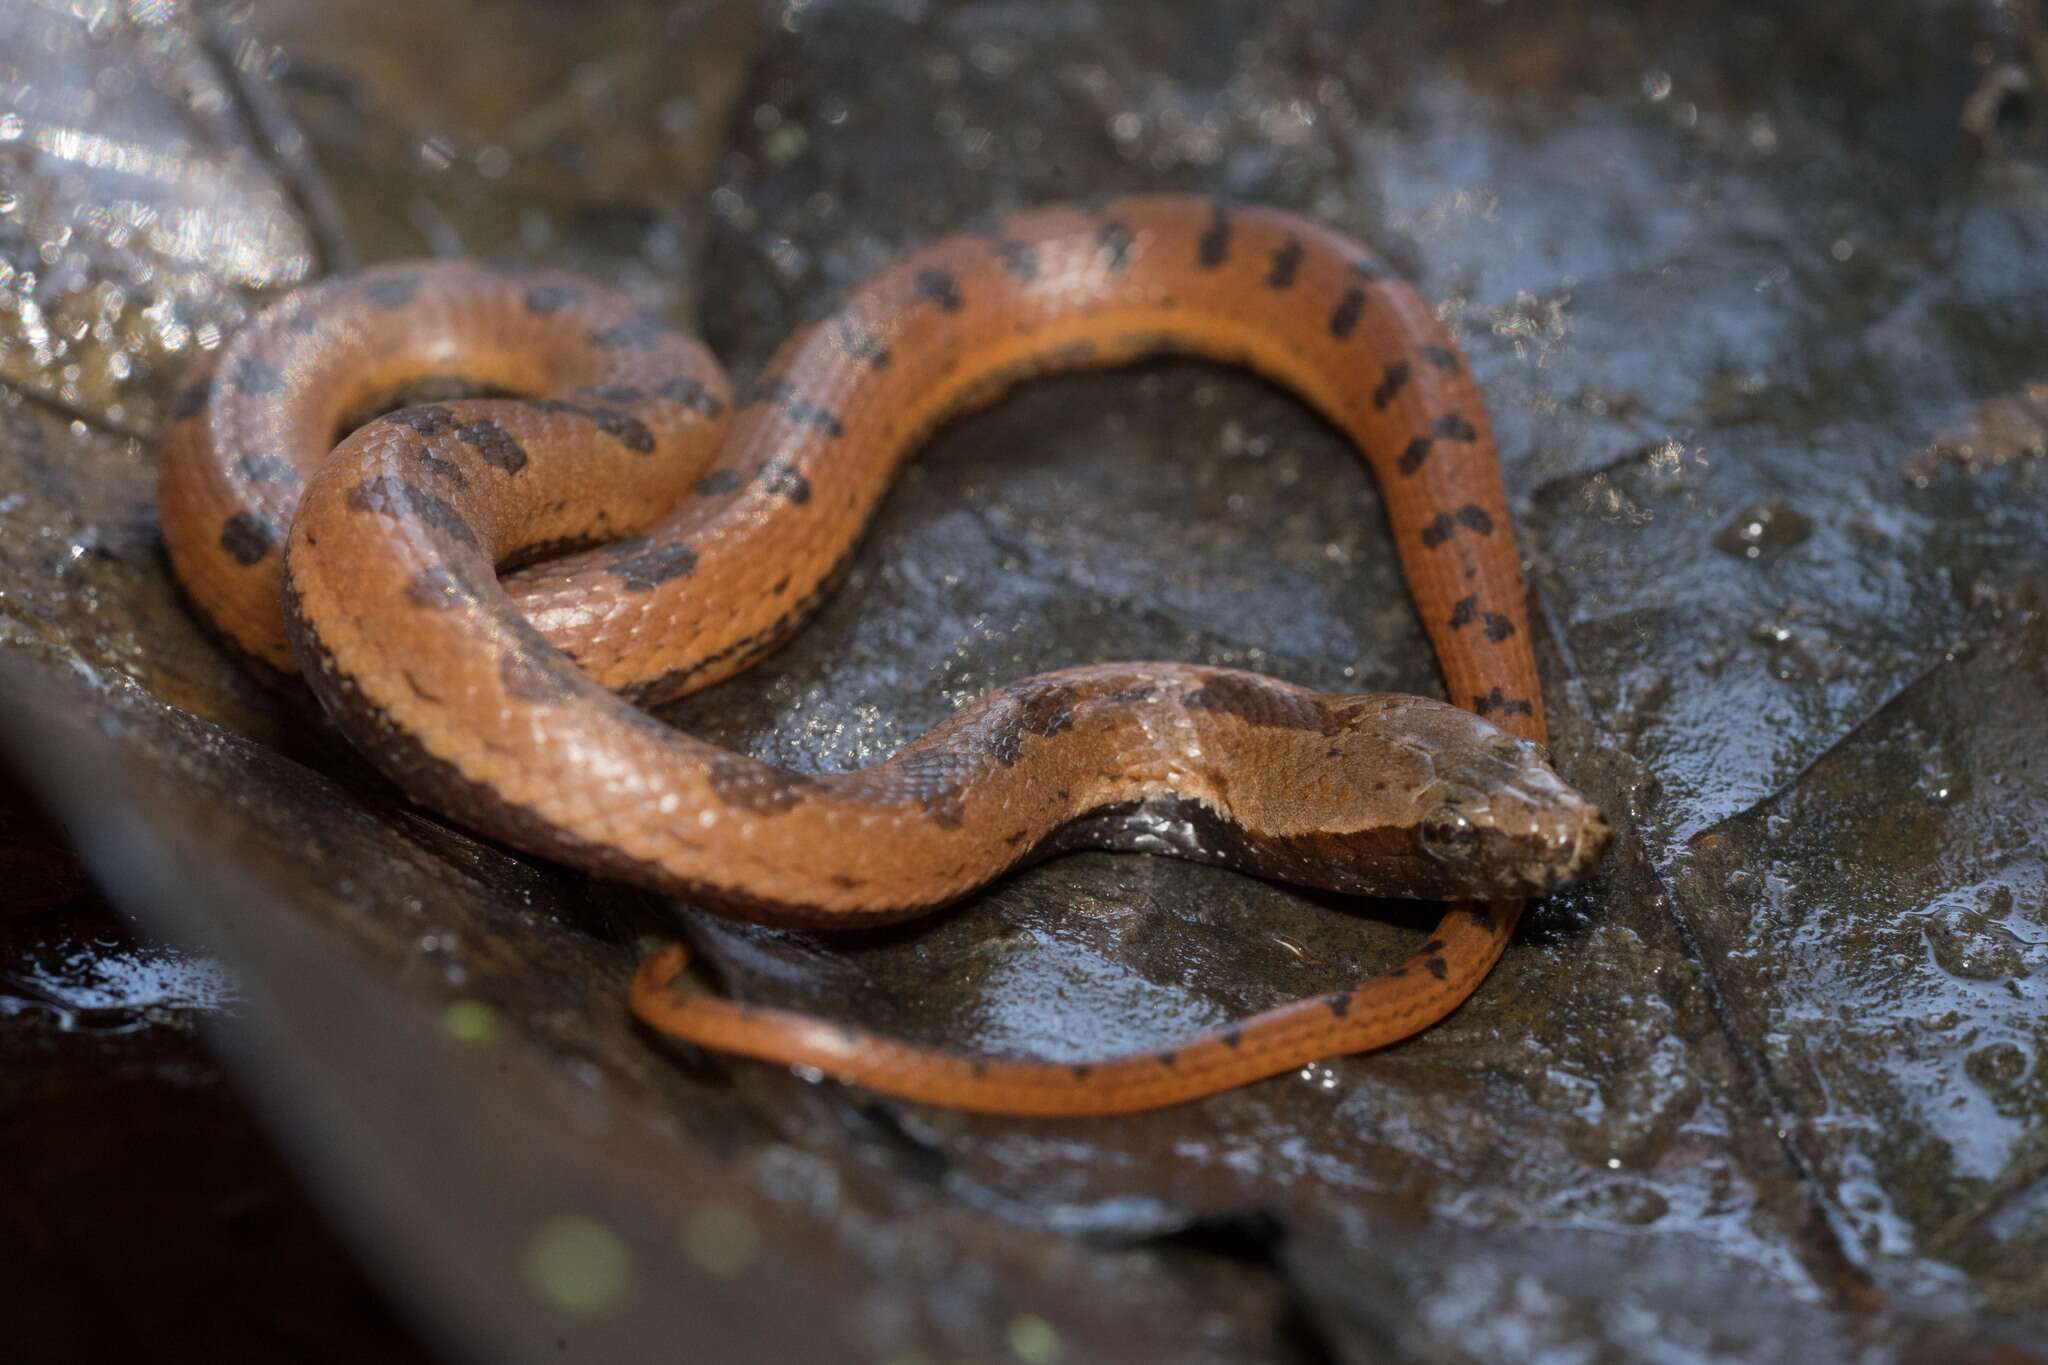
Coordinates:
<point>490,514</point>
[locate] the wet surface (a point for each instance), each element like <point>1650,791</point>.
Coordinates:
<point>1753,309</point>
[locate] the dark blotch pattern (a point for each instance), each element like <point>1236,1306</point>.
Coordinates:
<point>1415,454</point>
<point>394,292</point>
<point>1262,704</point>
<point>1438,968</point>
<point>754,787</point>
<point>627,429</point>
<point>859,343</point>
<point>273,469</point>
<point>1470,517</point>
<point>785,480</point>
<point>1286,264</point>
<point>427,462</point>
<point>643,568</point>
<point>494,445</point>
<point>387,495</point>
<point>718,483</point>
<point>1344,320</point>
<point>1498,701</point>
<point>1018,259</point>
<point>1340,1003</point>
<point>646,330</point>
<point>1113,239</point>
<point>1443,357</point>
<point>1168,1057</point>
<point>1042,711</point>
<point>939,287</point>
<point>1466,610</point>
<point>1452,426</point>
<point>247,537</point>
<point>1214,247</point>
<point>256,378</point>
<point>691,394</point>
<point>1390,384</point>
<point>543,299</point>
<point>429,420</point>
<point>1233,1038</point>
<point>804,413</point>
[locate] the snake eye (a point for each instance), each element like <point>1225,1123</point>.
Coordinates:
<point>1448,836</point>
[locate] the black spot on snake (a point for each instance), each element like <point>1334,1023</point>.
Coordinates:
<point>1446,525</point>
<point>1443,357</point>
<point>494,445</point>
<point>627,429</point>
<point>646,330</point>
<point>1463,612</point>
<point>1480,916</point>
<point>691,394</point>
<point>650,568</point>
<point>1081,1071</point>
<point>1435,945</point>
<point>1113,240</point>
<point>1345,319</point>
<point>1390,384</point>
<point>387,495</point>
<point>1340,1003</point>
<point>1233,1038</point>
<point>256,378</point>
<point>718,483</point>
<point>267,469</point>
<point>429,420</point>
<point>439,588</point>
<point>1452,426</point>
<point>1498,627</point>
<point>939,287</point>
<point>1214,247</point>
<point>1286,262</point>
<point>1018,259</point>
<point>779,391</point>
<point>784,479</point>
<point>1262,704</point>
<point>856,341</point>
<point>1497,700</point>
<point>431,464</point>
<point>192,399</point>
<point>1438,968</point>
<point>394,292</point>
<point>1041,711</point>
<point>246,537</point>
<point>755,788</point>
<point>543,299</point>
<point>1168,1057</point>
<point>1415,454</point>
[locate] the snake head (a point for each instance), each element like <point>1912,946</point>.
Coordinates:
<point>1426,800</point>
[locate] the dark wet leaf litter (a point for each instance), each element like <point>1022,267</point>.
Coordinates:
<point>1771,1088</point>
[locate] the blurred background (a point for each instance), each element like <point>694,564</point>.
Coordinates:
<point>1759,296</point>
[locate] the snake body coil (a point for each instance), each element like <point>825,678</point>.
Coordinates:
<point>719,526</point>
